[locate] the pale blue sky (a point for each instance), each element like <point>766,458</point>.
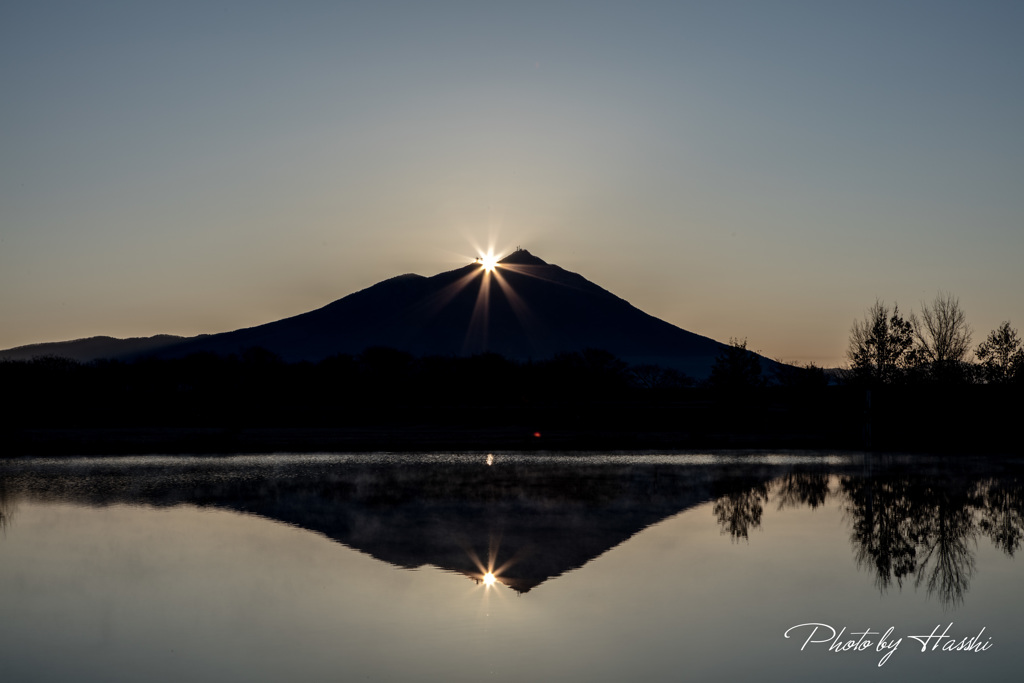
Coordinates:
<point>747,169</point>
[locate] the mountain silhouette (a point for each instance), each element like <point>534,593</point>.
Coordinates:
<point>524,309</point>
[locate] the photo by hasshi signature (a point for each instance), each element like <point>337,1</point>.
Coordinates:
<point>939,639</point>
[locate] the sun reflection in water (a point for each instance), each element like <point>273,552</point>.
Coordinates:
<point>489,572</point>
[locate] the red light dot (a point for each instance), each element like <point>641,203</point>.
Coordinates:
<point>536,434</point>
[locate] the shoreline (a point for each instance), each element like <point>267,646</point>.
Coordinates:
<point>221,440</point>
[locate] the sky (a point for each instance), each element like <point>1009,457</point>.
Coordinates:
<point>759,170</point>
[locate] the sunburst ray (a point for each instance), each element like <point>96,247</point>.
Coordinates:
<point>531,270</point>
<point>527,320</point>
<point>480,318</point>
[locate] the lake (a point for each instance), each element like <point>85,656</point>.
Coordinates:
<point>504,566</point>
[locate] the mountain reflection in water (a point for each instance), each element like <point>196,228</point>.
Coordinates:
<point>527,519</point>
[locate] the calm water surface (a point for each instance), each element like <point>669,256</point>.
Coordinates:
<point>606,567</point>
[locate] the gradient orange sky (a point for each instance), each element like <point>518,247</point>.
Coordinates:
<point>740,169</point>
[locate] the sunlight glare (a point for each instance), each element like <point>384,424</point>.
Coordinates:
<point>488,261</point>
<point>489,579</point>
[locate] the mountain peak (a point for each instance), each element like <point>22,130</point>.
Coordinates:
<point>523,257</point>
<point>535,310</point>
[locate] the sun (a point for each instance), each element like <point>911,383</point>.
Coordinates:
<point>488,261</point>
<point>489,579</point>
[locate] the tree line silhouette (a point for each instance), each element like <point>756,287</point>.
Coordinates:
<point>588,399</point>
<point>887,348</point>
<point>909,385</point>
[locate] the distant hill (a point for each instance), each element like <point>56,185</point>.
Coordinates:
<point>525,309</point>
<point>92,348</point>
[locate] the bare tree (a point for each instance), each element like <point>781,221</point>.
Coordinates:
<point>881,345</point>
<point>943,335</point>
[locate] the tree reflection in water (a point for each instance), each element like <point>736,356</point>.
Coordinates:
<point>947,561</point>
<point>1002,515</point>
<point>882,531</point>
<point>923,526</point>
<point>740,511</point>
<point>802,488</point>
<point>6,506</point>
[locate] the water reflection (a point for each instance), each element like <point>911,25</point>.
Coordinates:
<point>1002,517</point>
<point>926,526</point>
<point>919,525</point>
<point>521,521</point>
<point>6,506</point>
<point>798,489</point>
<point>740,511</point>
